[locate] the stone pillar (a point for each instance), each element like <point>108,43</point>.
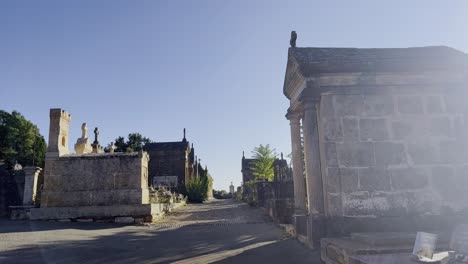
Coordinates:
<point>31,175</point>
<point>313,171</point>
<point>298,168</point>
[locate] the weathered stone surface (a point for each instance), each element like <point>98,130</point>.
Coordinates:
<point>96,179</point>
<point>124,220</point>
<point>453,152</point>
<point>388,153</point>
<point>374,179</point>
<point>441,127</point>
<point>378,105</point>
<point>332,130</point>
<point>350,129</point>
<point>409,178</point>
<point>146,210</point>
<point>327,109</point>
<point>434,104</point>
<point>349,180</point>
<point>373,129</point>
<point>333,180</point>
<point>334,204</point>
<point>349,105</point>
<point>330,154</point>
<point>355,154</point>
<point>85,220</point>
<point>422,153</point>
<point>357,204</point>
<point>410,104</point>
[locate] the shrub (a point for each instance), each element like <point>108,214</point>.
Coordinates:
<point>197,190</point>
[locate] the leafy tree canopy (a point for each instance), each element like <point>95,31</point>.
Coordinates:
<point>20,141</point>
<point>135,142</point>
<point>263,164</point>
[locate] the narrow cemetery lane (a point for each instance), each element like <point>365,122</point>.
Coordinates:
<point>220,231</point>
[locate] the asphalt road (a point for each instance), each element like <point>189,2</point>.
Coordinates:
<point>221,231</point>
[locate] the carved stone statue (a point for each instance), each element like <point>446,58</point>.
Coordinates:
<point>83,145</point>
<point>292,42</point>
<point>112,147</point>
<point>84,130</point>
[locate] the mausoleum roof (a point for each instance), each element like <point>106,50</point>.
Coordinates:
<point>167,146</point>
<point>331,60</point>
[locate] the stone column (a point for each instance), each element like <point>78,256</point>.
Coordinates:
<point>313,172</point>
<point>297,161</point>
<point>31,175</point>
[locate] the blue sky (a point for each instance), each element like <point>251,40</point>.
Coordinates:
<point>213,67</point>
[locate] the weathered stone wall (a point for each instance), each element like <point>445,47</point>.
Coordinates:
<point>394,154</point>
<point>277,198</point>
<point>96,179</point>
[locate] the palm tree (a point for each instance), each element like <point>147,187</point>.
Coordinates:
<point>263,164</point>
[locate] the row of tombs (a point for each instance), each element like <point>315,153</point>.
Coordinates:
<point>94,185</point>
<point>379,141</point>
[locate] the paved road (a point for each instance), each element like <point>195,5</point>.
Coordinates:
<point>220,231</point>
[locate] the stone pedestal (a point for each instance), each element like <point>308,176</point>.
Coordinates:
<point>83,146</point>
<point>31,175</point>
<point>300,225</point>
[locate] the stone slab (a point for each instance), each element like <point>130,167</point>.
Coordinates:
<point>97,212</point>
<point>385,238</point>
<point>397,258</point>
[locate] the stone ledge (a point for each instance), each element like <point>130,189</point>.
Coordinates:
<point>97,212</point>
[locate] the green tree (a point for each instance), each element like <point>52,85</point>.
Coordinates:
<point>135,142</point>
<point>198,187</point>
<point>263,164</point>
<point>20,140</point>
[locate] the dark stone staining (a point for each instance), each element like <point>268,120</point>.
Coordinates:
<point>355,154</point>
<point>434,105</point>
<point>409,178</point>
<point>422,153</point>
<point>410,104</point>
<point>374,179</point>
<point>349,180</point>
<point>333,180</point>
<point>335,205</point>
<point>331,156</point>
<point>373,129</point>
<point>378,105</point>
<point>387,153</point>
<point>326,104</point>
<point>350,129</point>
<point>349,105</point>
<point>332,130</point>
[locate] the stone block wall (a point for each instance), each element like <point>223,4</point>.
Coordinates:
<point>394,154</point>
<point>277,198</point>
<point>96,179</point>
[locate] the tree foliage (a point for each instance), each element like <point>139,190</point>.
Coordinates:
<point>135,142</point>
<point>263,164</point>
<point>20,140</point>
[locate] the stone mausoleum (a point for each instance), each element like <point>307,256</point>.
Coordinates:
<point>385,135</point>
<point>171,163</point>
<point>91,184</point>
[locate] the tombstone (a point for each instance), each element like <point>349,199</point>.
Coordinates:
<point>31,177</point>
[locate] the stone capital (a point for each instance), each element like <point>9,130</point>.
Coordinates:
<point>293,116</point>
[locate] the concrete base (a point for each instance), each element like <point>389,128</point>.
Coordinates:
<point>300,224</point>
<point>315,230</point>
<point>148,211</point>
<point>20,212</point>
<point>341,250</point>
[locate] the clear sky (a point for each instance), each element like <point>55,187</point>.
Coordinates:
<point>214,67</point>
